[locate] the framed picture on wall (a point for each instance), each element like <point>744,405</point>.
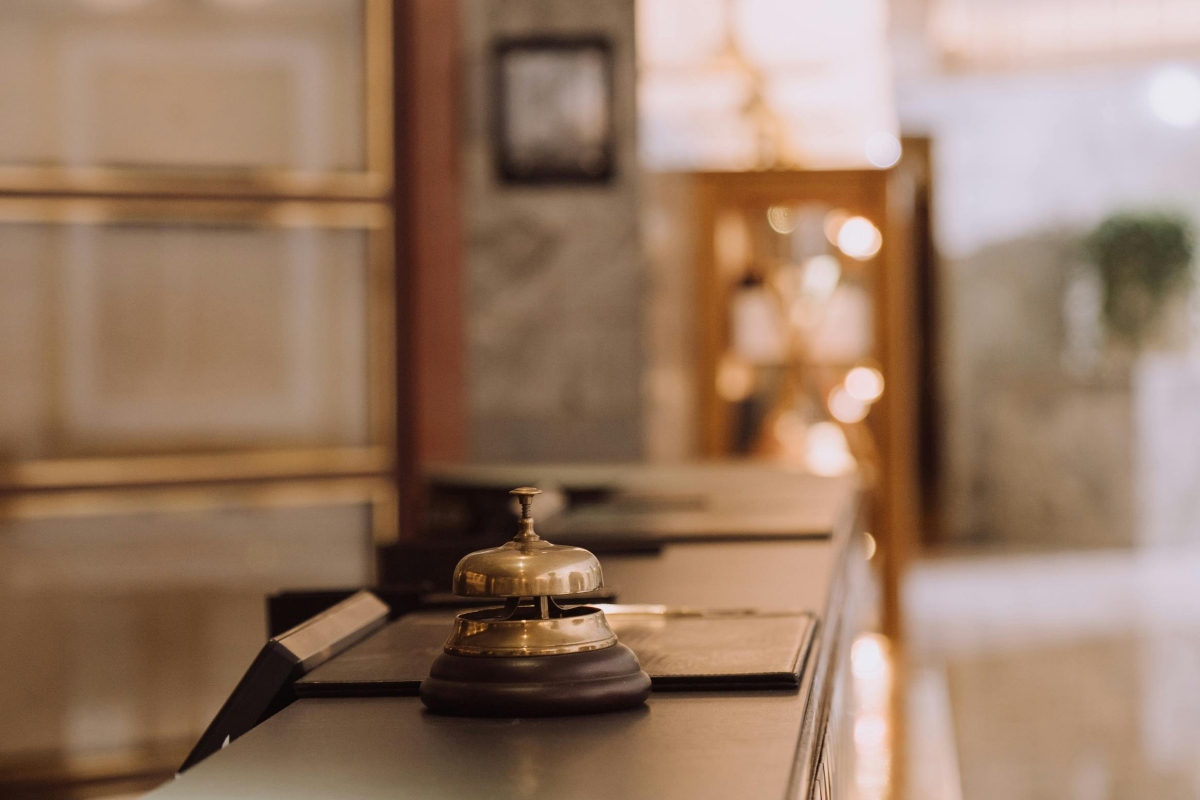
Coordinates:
<point>552,120</point>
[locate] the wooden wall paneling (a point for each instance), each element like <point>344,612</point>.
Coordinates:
<point>899,514</point>
<point>405,432</point>
<point>918,161</point>
<point>246,493</point>
<point>129,461</point>
<point>431,395</point>
<point>131,613</point>
<point>94,45</point>
<point>438,231</point>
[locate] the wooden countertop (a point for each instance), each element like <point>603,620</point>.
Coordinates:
<point>718,745</point>
<point>760,744</point>
<point>686,502</point>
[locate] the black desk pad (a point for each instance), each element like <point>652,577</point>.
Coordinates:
<point>680,650</point>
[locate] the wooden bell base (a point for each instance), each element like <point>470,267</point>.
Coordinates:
<point>535,686</point>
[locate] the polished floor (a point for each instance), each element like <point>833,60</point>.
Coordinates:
<point>1055,677</point>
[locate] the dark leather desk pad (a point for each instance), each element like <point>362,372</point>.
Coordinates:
<point>681,650</point>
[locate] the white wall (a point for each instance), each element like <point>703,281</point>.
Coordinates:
<point>1022,153</point>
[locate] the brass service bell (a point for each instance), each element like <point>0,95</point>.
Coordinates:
<point>532,656</point>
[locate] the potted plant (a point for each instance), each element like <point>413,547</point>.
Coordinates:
<point>1144,262</point>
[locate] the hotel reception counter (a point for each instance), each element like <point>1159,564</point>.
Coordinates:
<point>709,743</point>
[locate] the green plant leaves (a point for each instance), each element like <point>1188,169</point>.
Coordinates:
<point>1142,259</point>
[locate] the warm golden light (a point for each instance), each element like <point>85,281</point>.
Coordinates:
<point>781,219</point>
<point>871,666</point>
<point>870,731</point>
<point>826,451</point>
<point>790,431</point>
<point>864,384</point>
<point>731,243</point>
<point>870,546</point>
<point>833,223</point>
<point>735,380</point>
<point>859,238</point>
<point>868,657</point>
<point>820,278</point>
<point>845,407</point>
<point>744,84</point>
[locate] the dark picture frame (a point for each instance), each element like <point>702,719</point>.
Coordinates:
<point>552,119</point>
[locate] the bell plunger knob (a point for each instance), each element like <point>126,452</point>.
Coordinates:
<point>525,496</point>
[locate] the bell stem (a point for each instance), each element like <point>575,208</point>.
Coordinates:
<point>525,532</point>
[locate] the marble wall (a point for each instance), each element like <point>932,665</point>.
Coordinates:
<point>670,233</point>
<point>1166,400</point>
<point>1037,455</point>
<point>553,272</point>
<point>1039,451</point>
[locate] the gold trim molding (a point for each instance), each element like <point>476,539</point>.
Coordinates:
<point>372,183</point>
<point>286,214</point>
<point>193,467</point>
<point>378,492</point>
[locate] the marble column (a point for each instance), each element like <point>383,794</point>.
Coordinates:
<point>553,271</point>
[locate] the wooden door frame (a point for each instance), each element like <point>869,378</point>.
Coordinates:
<point>882,196</point>
<point>430,332</point>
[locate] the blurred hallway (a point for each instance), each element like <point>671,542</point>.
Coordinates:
<point>1068,676</point>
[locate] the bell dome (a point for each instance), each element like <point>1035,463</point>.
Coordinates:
<point>528,566</point>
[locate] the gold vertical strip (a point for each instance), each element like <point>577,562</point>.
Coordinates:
<point>709,322</point>
<point>381,283</point>
<point>190,467</point>
<point>194,211</point>
<point>60,195</point>
<point>267,494</point>
<point>385,514</point>
<point>378,99</point>
<point>897,341</point>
